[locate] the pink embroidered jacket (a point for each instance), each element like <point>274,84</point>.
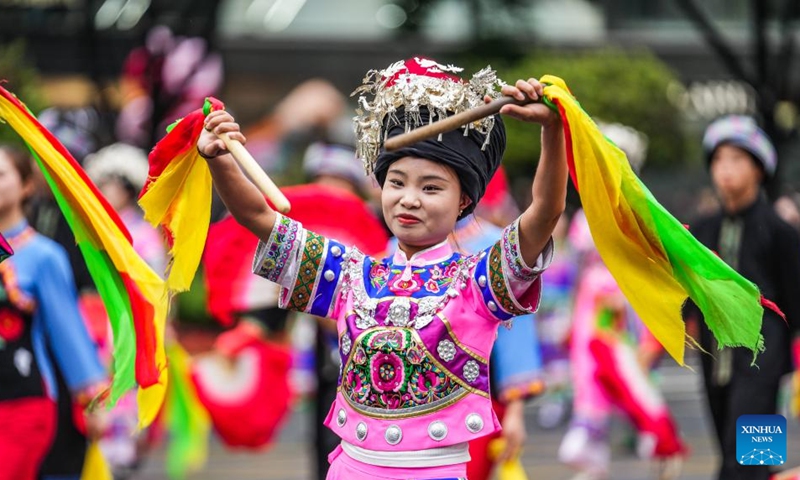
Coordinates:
<point>415,334</point>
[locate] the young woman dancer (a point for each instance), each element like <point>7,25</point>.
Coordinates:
<point>415,329</point>
<point>40,330</point>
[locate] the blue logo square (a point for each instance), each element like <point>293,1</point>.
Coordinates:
<point>761,440</point>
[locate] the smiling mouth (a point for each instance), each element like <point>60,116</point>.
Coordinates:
<point>407,219</point>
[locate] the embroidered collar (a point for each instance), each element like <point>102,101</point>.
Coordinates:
<point>16,229</point>
<point>431,255</point>
<point>19,234</point>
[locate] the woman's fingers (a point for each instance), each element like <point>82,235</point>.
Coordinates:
<point>226,127</point>
<point>216,117</point>
<point>512,91</point>
<point>528,89</point>
<point>538,87</point>
<point>238,136</point>
<point>534,112</point>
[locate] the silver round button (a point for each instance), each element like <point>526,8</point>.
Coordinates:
<point>341,417</point>
<point>437,430</point>
<point>471,370</point>
<point>474,422</point>
<point>492,306</point>
<point>361,431</point>
<point>482,281</point>
<point>446,350</point>
<point>336,251</point>
<point>393,435</point>
<point>347,344</point>
<point>329,275</point>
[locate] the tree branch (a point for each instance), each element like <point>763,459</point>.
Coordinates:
<point>783,64</point>
<point>715,40</point>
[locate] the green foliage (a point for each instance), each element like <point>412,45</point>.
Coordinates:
<point>612,85</point>
<point>21,79</point>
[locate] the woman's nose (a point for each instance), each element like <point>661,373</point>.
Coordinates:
<point>409,200</point>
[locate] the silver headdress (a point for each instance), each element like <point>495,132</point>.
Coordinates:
<point>408,85</point>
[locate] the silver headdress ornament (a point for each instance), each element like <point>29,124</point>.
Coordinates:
<point>410,85</point>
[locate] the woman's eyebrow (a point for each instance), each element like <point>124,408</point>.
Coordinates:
<point>426,178</point>
<point>397,171</point>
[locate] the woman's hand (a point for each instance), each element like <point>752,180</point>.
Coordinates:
<point>536,112</point>
<point>513,430</point>
<point>96,423</point>
<point>209,144</point>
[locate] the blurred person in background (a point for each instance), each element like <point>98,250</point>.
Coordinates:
<point>553,323</point>
<point>120,172</point>
<point>309,112</point>
<point>788,209</point>
<point>611,354</point>
<point>162,81</point>
<point>749,236</point>
<point>82,130</point>
<point>516,374</point>
<point>42,335</point>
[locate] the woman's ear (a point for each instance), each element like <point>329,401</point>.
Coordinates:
<point>465,202</point>
<point>28,189</point>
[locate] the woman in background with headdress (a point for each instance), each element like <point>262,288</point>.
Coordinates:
<point>415,329</point>
<point>120,171</point>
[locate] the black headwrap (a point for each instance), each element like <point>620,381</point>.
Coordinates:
<point>474,159</point>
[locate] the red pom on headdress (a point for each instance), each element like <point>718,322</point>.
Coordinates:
<point>427,68</point>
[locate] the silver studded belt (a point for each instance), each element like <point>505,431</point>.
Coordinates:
<point>431,457</point>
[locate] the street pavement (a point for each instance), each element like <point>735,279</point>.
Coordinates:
<point>289,458</point>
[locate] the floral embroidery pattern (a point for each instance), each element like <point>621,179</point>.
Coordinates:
<point>405,287</point>
<point>498,282</point>
<point>281,244</point>
<point>417,281</point>
<point>378,274</point>
<point>389,370</point>
<point>512,254</point>
<point>9,287</point>
<point>307,273</point>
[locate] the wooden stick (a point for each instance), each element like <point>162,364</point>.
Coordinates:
<point>450,123</point>
<point>257,175</point>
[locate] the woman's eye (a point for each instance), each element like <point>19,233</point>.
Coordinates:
<point>431,188</point>
<point>396,183</point>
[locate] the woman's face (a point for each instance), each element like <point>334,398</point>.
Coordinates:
<point>734,172</point>
<point>421,201</point>
<point>116,194</point>
<point>12,189</point>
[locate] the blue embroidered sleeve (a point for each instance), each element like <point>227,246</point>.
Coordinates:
<point>68,339</point>
<point>307,266</point>
<point>509,287</point>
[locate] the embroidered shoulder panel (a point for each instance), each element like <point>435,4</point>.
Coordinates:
<point>307,272</point>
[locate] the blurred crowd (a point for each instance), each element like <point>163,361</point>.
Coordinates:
<point>250,364</point>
